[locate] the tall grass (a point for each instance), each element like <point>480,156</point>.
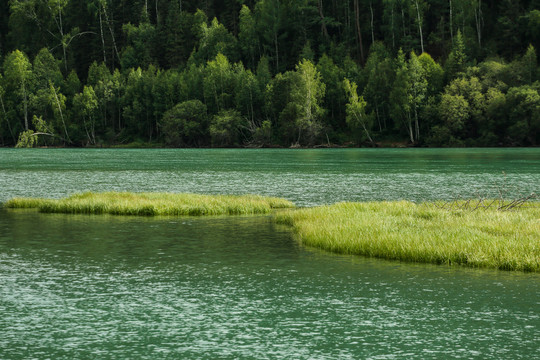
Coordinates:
<point>425,233</point>
<point>123,203</point>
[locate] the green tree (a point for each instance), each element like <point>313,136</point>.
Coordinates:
<point>185,124</point>
<point>471,91</point>
<point>434,74</point>
<point>247,36</point>
<point>530,65</point>
<point>219,84</point>
<point>456,62</point>
<point>58,103</point>
<point>455,111</point>
<point>18,73</point>
<point>248,97</point>
<point>335,96</point>
<point>216,39</point>
<point>140,51</point>
<point>306,97</point>
<point>417,90</point>
<point>100,78</point>
<point>4,117</point>
<point>269,20</point>
<point>85,106</point>
<point>45,70</point>
<point>356,110</point>
<point>523,109</point>
<point>400,98</point>
<point>49,18</point>
<point>379,76</point>
<point>226,128</point>
<point>178,38</point>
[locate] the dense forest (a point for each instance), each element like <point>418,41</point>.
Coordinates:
<point>269,73</point>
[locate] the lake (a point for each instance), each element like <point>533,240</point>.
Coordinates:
<point>75,286</point>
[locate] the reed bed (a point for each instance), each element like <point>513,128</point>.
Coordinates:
<point>426,233</point>
<point>150,204</point>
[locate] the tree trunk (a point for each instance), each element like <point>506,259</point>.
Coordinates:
<point>323,24</point>
<point>7,120</point>
<point>358,30</point>
<point>25,104</point>
<point>157,13</point>
<point>478,19</point>
<point>367,134</point>
<point>403,21</point>
<point>416,125</point>
<point>277,50</point>
<point>451,23</point>
<point>420,25</point>
<point>378,116</point>
<point>102,38</point>
<point>392,25</point>
<point>60,111</point>
<point>372,30</point>
<point>111,30</point>
<point>409,126</point>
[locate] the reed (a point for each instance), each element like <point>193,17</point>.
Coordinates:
<point>426,233</point>
<point>148,204</point>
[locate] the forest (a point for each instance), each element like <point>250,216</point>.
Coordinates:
<point>269,73</point>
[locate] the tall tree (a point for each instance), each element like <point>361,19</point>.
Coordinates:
<point>18,72</point>
<point>306,96</point>
<point>399,96</point>
<point>456,62</point>
<point>247,36</point>
<point>270,22</point>
<point>417,92</point>
<point>356,110</point>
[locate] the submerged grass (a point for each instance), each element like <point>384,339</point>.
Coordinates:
<point>508,240</point>
<point>148,204</point>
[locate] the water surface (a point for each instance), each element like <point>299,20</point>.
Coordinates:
<point>117,287</point>
<point>307,177</point>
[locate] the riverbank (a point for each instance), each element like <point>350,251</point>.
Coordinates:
<point>149,204</point>
<point>423,233</point>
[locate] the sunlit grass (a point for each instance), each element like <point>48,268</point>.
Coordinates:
<point>148,204</point>
<point>425,233</point>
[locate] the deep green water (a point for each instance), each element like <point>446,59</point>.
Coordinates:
<point>240,287</point>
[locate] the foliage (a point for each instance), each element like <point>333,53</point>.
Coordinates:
<point>185,124</point>
<point>225,128</point>
<point>104,72</point>
<point>356,115</point>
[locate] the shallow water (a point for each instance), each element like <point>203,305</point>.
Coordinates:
<point>241,287</point>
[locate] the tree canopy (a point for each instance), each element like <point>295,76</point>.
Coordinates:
<point>269,72</point>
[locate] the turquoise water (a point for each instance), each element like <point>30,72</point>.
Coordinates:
<point>308,177</point>
<point>241,287</point>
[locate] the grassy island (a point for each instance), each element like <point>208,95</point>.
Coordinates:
<point>148,204</point>
<point>478,236</point>
<point>425,233</point>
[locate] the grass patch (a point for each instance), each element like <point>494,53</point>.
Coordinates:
<point>426,233</point>
<point>149,204</point>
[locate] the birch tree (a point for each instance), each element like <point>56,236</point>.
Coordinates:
<point>356,110</point>
<point>18,73</point>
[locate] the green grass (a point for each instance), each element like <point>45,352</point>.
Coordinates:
<point>424,233</point>
<point>148,204</point>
